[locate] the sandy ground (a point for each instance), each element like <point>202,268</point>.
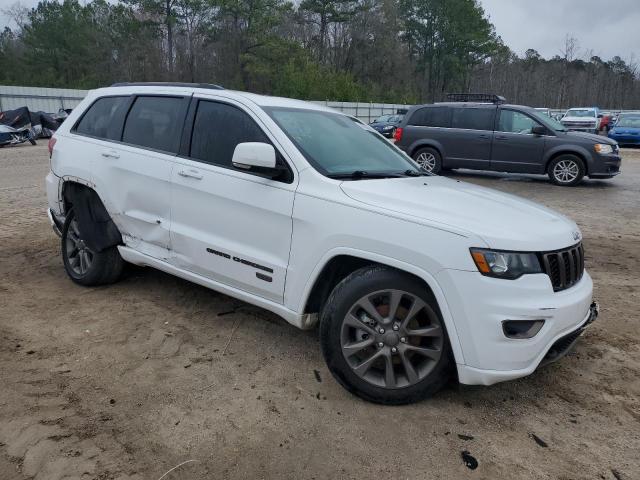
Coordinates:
<point>130,380</point>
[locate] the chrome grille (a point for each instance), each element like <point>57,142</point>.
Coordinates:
<point>564,267</point>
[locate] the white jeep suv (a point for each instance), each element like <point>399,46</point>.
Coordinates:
<point>313,215</point>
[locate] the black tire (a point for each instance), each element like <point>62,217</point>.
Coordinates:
<point>571,175</point>
<point>429,159</point>
<point>105,267</point>
<point>344,300</point>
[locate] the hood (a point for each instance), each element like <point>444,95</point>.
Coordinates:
<point>503,221</point>
<point>590,136</point>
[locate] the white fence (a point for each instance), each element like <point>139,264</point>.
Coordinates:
<point>52,99</point>
<point>37,99</point>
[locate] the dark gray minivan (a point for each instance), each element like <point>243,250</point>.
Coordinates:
<point>504,138</point>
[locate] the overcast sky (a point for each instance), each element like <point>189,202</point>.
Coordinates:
<point>604,27</point>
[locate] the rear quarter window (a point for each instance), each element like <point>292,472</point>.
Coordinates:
<point>156,123</point>
<point>431,117</point>
<point>103,119</point>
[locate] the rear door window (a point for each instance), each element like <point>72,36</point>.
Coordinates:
<point>473,118</point>
<point>104,117</point>
<point>156,123</point>
<point>431,117</point>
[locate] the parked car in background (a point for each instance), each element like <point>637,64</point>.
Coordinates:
<point>504,138</point>
<point>626,130</point>
<point>544,111</point>
<point>411,276</point>
<point>582,120</point>
<point>386,124</point>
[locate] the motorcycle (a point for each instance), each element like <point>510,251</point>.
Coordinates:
<point>15,136</point>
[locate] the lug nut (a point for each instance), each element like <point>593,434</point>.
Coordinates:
<point>403,340</point>
<point>394,350</point>
<point>395,327</point>
<point>381,331</point>
<point>380,344</point>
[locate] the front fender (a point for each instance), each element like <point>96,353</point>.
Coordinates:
<point>579,150</point>
<point>427,277</point>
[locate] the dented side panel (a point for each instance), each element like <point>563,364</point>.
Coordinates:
<point>135,186</point>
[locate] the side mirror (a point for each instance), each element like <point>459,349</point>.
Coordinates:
<point>254,154</point>
<point>539,130</point>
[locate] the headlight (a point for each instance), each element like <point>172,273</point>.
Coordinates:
<point>603,149</point>
<point>509,265</point>
<point>388,127</point>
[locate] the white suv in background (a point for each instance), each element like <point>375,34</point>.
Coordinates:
<point>313,215</point>
<point>582,120</point>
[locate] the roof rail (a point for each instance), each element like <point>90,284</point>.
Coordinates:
<point>476,97</point>
<point>210,86</point>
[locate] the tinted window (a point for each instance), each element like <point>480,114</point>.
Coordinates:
<point>431,117</point>
<point>103,119</point>
<point>218,128</point>
<point>473,118</point>
<point>155,122</point>
<point>515,122</point>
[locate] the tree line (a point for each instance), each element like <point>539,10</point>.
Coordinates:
<point>397,51</point>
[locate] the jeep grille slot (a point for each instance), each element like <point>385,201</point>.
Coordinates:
<point>564,267</point>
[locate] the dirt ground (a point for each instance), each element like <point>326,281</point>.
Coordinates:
<point>131,380</point>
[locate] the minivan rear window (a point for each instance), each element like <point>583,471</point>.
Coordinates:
<point>431,117</point>
<point>155,122</point>
<point>473,118</point>
<point>103,119</point>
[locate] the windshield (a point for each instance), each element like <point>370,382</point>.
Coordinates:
<point>383,119</point>
<point>582,112</point>
<point>337,144</point>
<point>550,122</point>
<point>629,121</point>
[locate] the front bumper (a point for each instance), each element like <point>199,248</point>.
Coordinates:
<point>605,166</point>
<point>479,305</point>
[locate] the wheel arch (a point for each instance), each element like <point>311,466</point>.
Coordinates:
<point>426,143</point>
<point>95,222</point>
<point>582,155</point>
<point>339,263</point>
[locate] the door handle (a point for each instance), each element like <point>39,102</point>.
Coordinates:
<point>484,137</point>
<point>190,174</point>
<point>500,137</point>
<point>110,154</point>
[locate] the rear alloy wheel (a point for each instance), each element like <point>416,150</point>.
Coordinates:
<point>429,159</point>
<point>566,170</point>
<point>383,337</point>
<point>83,265</point>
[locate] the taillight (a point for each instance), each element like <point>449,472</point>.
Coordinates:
<point>52,143</point>
<point>397,136</point>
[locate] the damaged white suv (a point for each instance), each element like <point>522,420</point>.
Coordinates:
<point>313,215</point>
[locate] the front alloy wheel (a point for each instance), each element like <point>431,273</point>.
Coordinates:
<point>383,337</point>
<point>391,338</point>
<point>566,170</point>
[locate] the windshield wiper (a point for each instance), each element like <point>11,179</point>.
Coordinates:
<point>417,173</point>
<point>362,174</point>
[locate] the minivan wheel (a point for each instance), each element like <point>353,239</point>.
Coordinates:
<point>429,159</point>
<point>566,170</point>
<point>383,337</point>
<point>83,265</point>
